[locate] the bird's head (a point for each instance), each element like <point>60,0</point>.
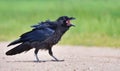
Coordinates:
<point>65,21</point>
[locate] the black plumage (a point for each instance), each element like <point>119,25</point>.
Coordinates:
<point>42,36</point>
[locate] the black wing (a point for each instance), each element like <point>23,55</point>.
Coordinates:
<point>37,35</point>
<point>40,32</point>
<point>34,35</point>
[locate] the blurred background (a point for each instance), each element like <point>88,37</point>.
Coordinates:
<point>97,21</point>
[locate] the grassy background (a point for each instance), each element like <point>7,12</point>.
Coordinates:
<point>97,21</point>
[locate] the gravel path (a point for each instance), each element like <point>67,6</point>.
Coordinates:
<point>76,58</point>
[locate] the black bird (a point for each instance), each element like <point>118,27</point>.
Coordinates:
<point>43,36</point>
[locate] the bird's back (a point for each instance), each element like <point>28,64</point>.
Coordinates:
<point>39,33</point>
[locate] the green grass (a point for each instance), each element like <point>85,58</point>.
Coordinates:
<point>97,21</point>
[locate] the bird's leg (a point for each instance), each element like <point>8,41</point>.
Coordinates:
<point>36,51</point>
<point>51,54</point>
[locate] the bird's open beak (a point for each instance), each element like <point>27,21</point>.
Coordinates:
<point>72,18</point>
<point>72,25</point>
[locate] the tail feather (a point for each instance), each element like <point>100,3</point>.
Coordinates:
<point>19,49</point>
<point>14,42</point>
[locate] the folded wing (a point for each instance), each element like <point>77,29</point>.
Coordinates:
<point>39,33</point>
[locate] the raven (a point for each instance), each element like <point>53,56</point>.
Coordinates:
<point>42,36</point>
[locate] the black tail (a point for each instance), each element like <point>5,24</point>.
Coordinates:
<point>14,42</point>
<point>18,49</point>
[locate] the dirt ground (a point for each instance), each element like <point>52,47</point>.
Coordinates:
<point>76,58</point>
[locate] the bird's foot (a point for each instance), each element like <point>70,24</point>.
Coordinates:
<point>58,60</point>
<point>39,61</point>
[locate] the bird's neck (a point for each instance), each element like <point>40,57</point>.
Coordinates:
<point>55,38</point>
<point>58,34</point>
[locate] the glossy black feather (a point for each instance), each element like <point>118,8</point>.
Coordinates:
<point>46,24</point>
<point>39,33</point>
<point>18,49</point>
